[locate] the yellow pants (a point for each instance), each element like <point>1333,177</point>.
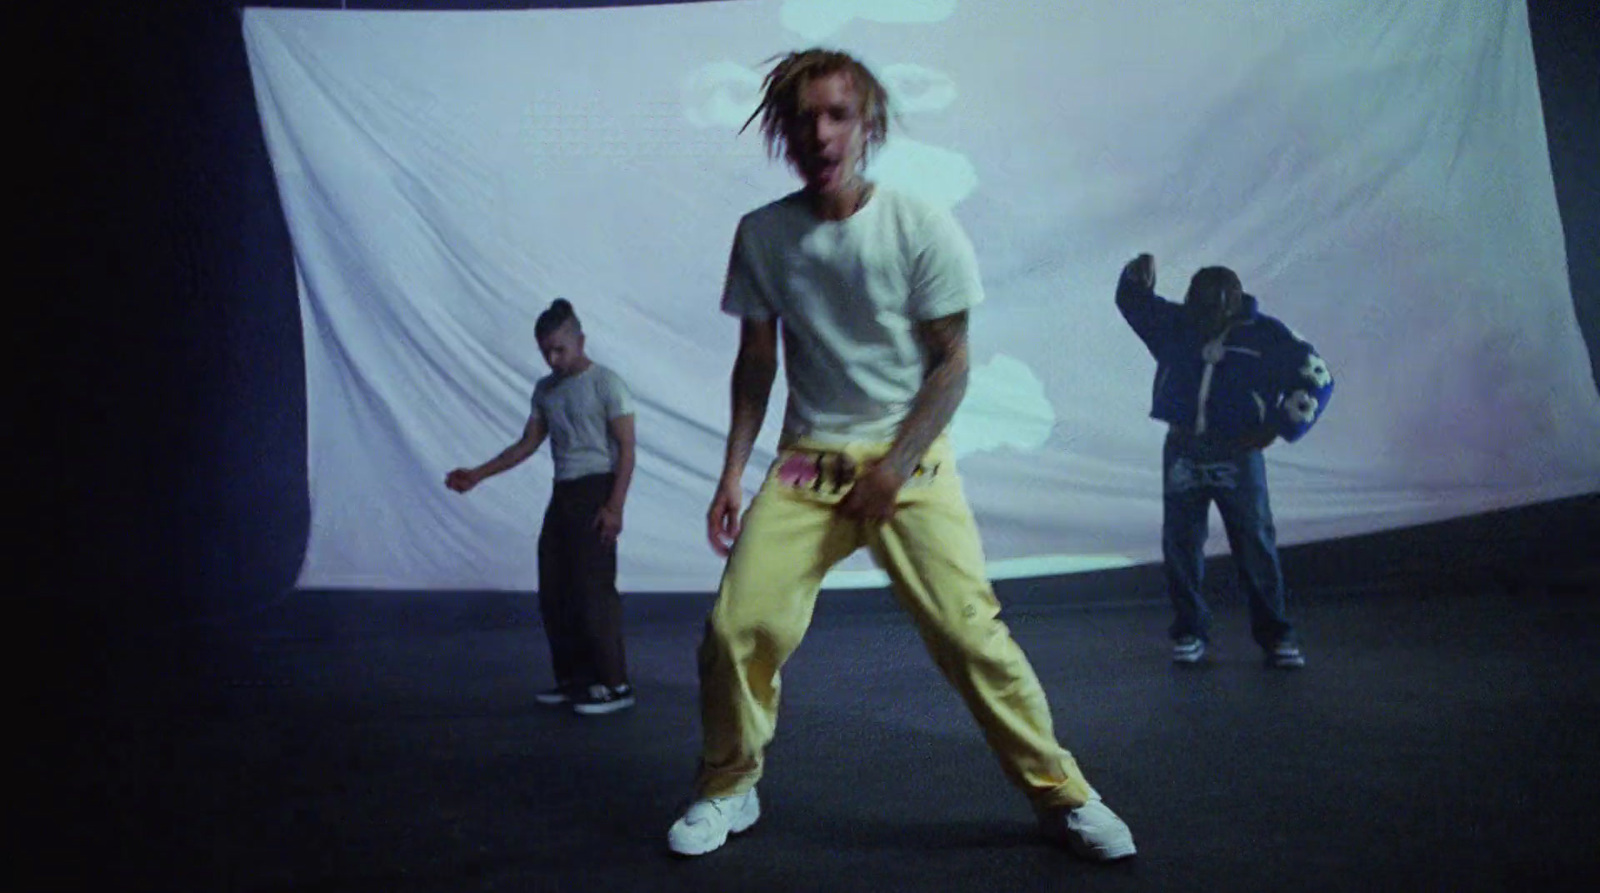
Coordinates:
<point>930,550</point>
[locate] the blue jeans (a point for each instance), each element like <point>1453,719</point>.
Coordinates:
<point>1195,473</point>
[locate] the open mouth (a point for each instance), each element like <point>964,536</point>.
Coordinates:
<point>825,168</point>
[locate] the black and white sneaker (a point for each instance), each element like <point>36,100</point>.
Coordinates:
<point>1188,650</point>
<point>601,699</point>
<point>554,697</point>
<point>1285,656</point>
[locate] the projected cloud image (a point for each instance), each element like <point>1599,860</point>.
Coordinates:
<point>941,176</point>
<point>1005,407</point>
<point>818,19</point>
<point>721,94</point>
<point>446,175</point>
<point>724,95</point>
<point>916,88</point>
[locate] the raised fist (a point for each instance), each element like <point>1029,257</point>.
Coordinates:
<point>1142,270</point>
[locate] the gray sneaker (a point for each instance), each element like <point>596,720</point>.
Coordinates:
<point>1092,831</point>
<point>1188,650</point>
<point>706,824</point>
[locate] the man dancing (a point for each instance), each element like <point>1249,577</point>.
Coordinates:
<point>870,289</point>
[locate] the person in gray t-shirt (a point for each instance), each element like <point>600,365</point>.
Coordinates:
<point>586,411</point>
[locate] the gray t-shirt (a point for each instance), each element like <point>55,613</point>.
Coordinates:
<point>849,294</point>
<point>577,412</point>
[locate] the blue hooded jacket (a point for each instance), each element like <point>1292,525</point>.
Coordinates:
<point>1257,372</point>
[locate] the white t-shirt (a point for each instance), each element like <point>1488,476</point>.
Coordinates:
<point>577,412</point>
<point>848,294</point>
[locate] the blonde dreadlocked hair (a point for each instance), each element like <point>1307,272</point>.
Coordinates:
<point>780,99</point>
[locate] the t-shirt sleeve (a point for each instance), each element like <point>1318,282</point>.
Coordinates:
<point>539,388</point>
<point>615,397</point>
<point>944,269</point>
<point>745,293</point>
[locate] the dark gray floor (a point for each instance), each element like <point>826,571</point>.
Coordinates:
<point>1434,742</point>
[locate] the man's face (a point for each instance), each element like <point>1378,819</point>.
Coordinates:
<point>1211,304</point>
<point>826,137</point>
<point>562,348</point>
<point>1206,309</point>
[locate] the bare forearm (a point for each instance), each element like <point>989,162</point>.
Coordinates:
<point>509,458</point>
<point>935,405</point>
<point>752,387</point>
<point>624,474</point>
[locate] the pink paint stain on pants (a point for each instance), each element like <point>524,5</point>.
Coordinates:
<point>797,471</point>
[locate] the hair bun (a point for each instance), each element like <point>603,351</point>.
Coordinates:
<point>561,305</point>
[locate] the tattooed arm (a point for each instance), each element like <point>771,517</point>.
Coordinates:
<point>944,341</point>
<point>943,386</point>
<point>753,374</point>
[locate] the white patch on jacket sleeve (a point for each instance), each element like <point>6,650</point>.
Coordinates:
<point>1316,370</point>
<point>1300,406</point>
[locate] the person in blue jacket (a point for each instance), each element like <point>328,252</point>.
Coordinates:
<point>1230,380</point>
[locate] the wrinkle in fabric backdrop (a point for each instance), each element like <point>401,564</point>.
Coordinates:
<point>1377,175</point>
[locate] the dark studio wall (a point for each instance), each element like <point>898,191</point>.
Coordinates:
<point>166,484</point>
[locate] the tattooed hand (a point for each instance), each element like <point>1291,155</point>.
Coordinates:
<point>872,497</point>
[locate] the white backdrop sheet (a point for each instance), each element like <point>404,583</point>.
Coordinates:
<point>1376,172</point>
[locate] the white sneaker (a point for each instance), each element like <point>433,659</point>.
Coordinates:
<point>1092,831</point>
<point>707,823</point>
